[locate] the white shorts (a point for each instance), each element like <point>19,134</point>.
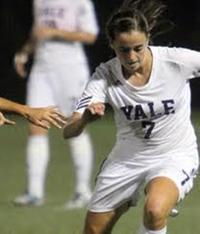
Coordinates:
<point>58,85</point>
<point>122,181</point>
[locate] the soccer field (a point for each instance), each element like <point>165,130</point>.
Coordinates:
<point>52,218</point>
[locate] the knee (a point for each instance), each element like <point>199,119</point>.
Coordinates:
<point>154,216</point>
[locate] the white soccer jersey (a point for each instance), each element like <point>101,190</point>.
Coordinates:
<point>60,70</point>
<point>69,15</point>
<point>154,119</point>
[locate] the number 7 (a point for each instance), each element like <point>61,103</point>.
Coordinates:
<point>149,126</point>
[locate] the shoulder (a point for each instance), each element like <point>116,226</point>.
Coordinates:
<point>109,69</point>
<point>178,55</point>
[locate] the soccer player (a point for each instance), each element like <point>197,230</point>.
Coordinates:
<point>42,117</point>
<point>148,89</point>
<point>58,77</point>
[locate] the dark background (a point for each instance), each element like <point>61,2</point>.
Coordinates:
<point>16,20</point>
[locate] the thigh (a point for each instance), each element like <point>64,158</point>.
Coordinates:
<point>181,169</point>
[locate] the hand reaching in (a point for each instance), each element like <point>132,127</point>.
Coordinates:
<point>45,117</point>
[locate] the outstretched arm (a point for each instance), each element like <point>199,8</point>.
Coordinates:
<point>42,117</point>
<point>77,122</point>
<point>43,32</point>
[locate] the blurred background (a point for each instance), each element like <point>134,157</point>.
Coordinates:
<point>16,20</point>
<point>15,24</point>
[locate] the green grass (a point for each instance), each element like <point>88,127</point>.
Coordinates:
<point>52,218</point>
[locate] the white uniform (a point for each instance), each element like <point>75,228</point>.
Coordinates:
<point>60,69</point>
<point>58,77</point>
<point>155,136</point>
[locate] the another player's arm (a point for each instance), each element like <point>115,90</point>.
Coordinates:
<point>39,33</point>
<point>44,32</point>
<point>77,122</point>
<point>23,55</point>
<point>42,117</point>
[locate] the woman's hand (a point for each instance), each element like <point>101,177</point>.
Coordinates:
<point>77,122</point>
<point>94,111</point>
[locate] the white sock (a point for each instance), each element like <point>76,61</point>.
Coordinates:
<point>144,230</point>
<point>37,161</point>
<point>82,156</point>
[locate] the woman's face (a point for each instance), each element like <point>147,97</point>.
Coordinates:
<point>130,48</point>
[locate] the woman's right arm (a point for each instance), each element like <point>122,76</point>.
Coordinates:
<point>90,107</point>
<point>78,121</point>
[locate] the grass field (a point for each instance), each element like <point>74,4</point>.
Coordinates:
<point>52,218</point>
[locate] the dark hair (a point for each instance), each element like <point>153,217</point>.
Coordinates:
<point>139,15</point>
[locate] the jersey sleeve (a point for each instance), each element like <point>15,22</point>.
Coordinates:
<point>95,91</point>
<point>87,20</point>
<point>189,61</point>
